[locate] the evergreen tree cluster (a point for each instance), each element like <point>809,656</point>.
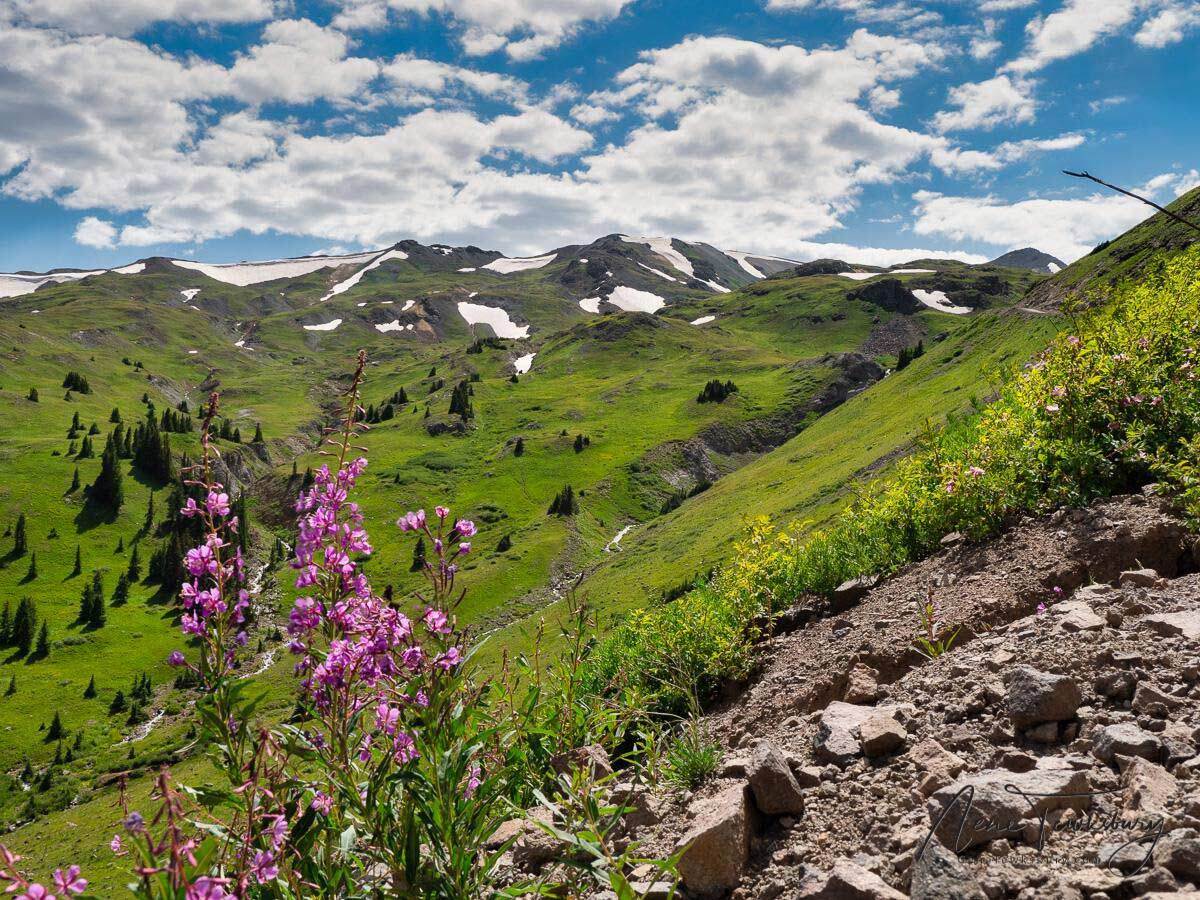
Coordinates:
<point>175,421</point>
<point>92,612</point>
<point>107,490</point>
<point>479,344</point>
<point>226,431</point>
<point>150,448</point>
<point>677,498</point>
<point>565,503</point>
<point>18,629</point>
<point>716,391</point>
<point>460,401</point>
<point>381,413</point>
<point>908,354</point>
<point>76,382</point>
<point>582,441</point>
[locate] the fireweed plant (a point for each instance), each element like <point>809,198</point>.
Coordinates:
<point>397,766</point>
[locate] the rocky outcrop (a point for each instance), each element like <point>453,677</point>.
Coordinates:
<point>857,768</point>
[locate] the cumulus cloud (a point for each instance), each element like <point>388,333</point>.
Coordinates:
<point>1072,29</point>
<point>1066,228</point>
<point>416,81</point>
<point>125,17</point>
<point>94,232</point>
<point>891,12</point>
<point>1169,25</point>
<point>524,29</point>
<point>985,104</point>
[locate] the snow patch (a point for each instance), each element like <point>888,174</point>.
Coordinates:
<point>242,274</point>
<point>741,261</point>
<point>193,352</point>
<point>590,304</point>
<point>859,276</point>
<point>615,543</point>
<point>911,271</point>
<point>18,285</point>
<point>1053,267</point>
<point>131,269</point>
<point>408,304</point>
<point>939,301</point>
<point>189,293</point>
<point>364,303</point>
<point>719,288</point>
<point>657,272</point>
<point>704,320</point>
<point>633,300</point>
<point>467,269</point>
<point>662,246</point>
<point>324,326</point>
<point>505,265</point>
<point>393,325</point>
<point>342,286</point>
<point>497,318</point>
<point>522,364</point>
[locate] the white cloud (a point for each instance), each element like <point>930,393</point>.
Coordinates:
<point>93,232</point>
<point>524,29</point>
<point>125,17</point>
<point>875,256</point>
<point>1072,29</point>
<point>1169,25</point>
<point>899,13</point>
<point>959,161</point>
<point>1105,102</point>
<point>986,104</point>
<point>1066,228</point>
<point>991,6</point>
<point>592,113</point>
<point>298,62</point>
<point>418,81</point>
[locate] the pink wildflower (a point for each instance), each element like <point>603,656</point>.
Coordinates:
<point>1041,608</point>
<point>464,527</point>
<point>69,882</point>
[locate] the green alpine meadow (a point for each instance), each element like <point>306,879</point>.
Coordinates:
<point>599,450</point>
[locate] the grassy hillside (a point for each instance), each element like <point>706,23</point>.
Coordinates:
<point>683,473</point>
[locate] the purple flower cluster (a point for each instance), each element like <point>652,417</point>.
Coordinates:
<point>213,597</point>
<point>355,649</point>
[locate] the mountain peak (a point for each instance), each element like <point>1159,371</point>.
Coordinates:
<point>1029,258</point>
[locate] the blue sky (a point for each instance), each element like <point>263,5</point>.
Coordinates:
<point>873,130</point>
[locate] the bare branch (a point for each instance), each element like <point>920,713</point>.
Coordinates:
<point>1113,187</point>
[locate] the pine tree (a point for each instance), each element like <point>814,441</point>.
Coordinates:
<point>24,625</point>
<point>89,692</point>
<point>564,503</point>
<point>121,591</point>
<point>32,573</point>
<point>94,429</point>
<point>134,572</point>
<point>20,542</point>
<point>6,625</point>
<point>32,396</point>
<point>115,416</point>
<point>258,435</point>
<point>57,732</point>
<point>98,617</point>
<point>43,642</point>
<point>118,703</point>
<point>519,447</point>
<point>76,424</point>
<point>460,401</point>
<point>579,443</point>
<point>120,544</point>
<point>418,560</point>
<point>148,521</point>
<point>86,450</point>
<point>78,570</point>
<point>107,490</point>
<point>505,544</point>
<point>85,604</point>
<point>74,481</point>
<point>27,772</point>
<point>12,686</point>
